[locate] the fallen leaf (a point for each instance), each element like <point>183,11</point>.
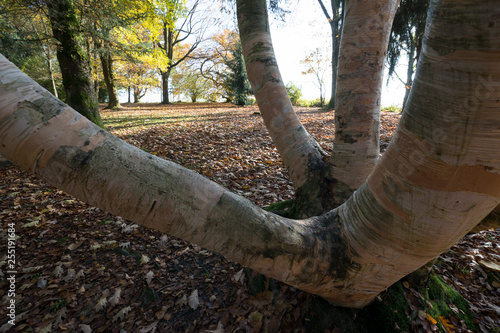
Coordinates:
<point>122,313</point>
<point>46,329</point>
<point>194,300</point>
<point>76,245</point>
<point>58,271</point>
<point>447,325</point>
<point>71,274</point>
<point>429,318</point>
<point>144,259</point>
<point>490,265</point>
<point>116,297</point>
<point>238,277</point>
<point>85,328</point>
<point>219,329</point>
<point>26,286</point>
<point>101,304</point>
<point>151,328</point>
<point>149,277</point>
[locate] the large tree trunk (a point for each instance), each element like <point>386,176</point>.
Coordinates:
<point>73,60</point>
<point>363,50</point>
<point>439,177</point>
<point>107,72</point>
<point>301,153</point>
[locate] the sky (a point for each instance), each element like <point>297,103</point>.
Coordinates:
<point>304,30</point>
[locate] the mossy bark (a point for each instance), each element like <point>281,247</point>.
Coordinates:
<point>73,60</point>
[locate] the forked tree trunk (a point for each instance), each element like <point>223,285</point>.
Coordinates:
<point>73,59</point>
<point>438,178</point>
<point>363,49</point>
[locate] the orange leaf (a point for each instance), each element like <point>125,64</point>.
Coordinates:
<point>447,325</point>
<point>432,320</point>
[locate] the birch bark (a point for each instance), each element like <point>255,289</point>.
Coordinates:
<point>439,177</point>
<point>363,49</point>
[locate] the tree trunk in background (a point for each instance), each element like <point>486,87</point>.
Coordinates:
<point>365,37</point>
<point>73,60</point>
<point>48,53</point>
<point>164,83</point>
<point>439,177</point>
<point>409,73</point>
<point>107,72</point>
<point>336,32</point>
<point>168,48</point>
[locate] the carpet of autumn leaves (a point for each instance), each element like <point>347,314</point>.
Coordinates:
<point>80,269</point>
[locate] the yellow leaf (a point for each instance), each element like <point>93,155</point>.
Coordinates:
<point>432,320</point>
<point>447,325</point>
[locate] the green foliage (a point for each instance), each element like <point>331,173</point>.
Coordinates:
<point>310,103</point>
<point>294,92</point>
<point>236,82</point>
<point>26,40</point>
<point>392,108</point>
<point>190,83</point>
<point>407,30</point>
<point>406,38</point>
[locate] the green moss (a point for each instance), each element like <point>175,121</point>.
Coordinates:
<point>282,208</point>
<point>441,296</point>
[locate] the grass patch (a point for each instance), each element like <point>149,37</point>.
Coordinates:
<point>392,108</point>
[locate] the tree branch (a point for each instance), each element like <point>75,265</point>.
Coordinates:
<point>300,152</point>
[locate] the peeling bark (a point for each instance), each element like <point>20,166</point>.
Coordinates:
<point>300,152</point>
<point>439,177</point>
<point>365,37</point>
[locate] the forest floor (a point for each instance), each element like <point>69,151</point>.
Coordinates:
<point>80,269</point>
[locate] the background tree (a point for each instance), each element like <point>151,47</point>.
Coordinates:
<point>137,68</point>
<point>73,59</point>
<point>294,93</point>
<point>26,40</point>
<point>103,19</point>
<point>236,81</point>
<point>316,65</point>
<point>177,24</point>
<point>213,58</point>
<point>406,38</point>
<point>188,83</point>
<point>335,20</point>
